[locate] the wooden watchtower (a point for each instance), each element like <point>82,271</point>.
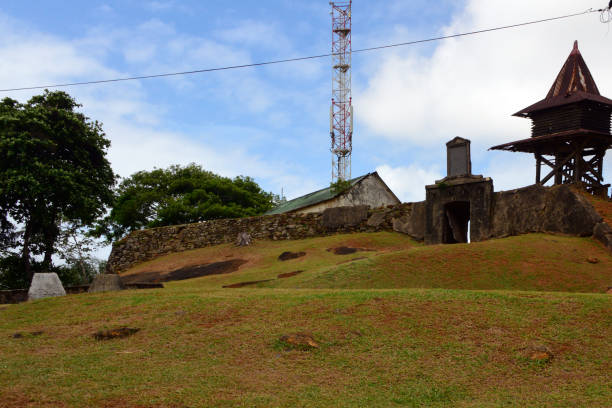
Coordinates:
<point>570,130</point>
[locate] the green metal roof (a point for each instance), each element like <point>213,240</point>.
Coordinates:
<point>310,199</point>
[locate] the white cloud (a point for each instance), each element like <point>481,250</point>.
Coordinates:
<point>137,127</point>
<point>255,34</point>
<point>160,5</point>
<point>40,59</point>
<point>408,182</point>
<point>470,86</point>
<point>136,148</point>
<point>104,8</point>
<point>510,171</point>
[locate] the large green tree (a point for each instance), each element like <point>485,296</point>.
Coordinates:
<point>53,168</point>
<point>181,195</point>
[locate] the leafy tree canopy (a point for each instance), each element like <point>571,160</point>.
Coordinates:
<point>53,168</point>
<point>181,195</point>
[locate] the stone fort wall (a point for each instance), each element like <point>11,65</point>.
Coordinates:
<point>531,209</point>
<point>143,245</point>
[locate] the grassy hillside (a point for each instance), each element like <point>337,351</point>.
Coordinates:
<point>383,348</point>
<point>601,204</point>
<point>382,337</point>
<point>388,260</point>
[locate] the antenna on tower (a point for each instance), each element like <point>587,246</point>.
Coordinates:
<point>341,112</point>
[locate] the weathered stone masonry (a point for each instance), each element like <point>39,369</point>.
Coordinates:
<point>531,209</point>
<point>140,246</point>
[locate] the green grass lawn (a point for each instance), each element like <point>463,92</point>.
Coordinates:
<point>387,337</point>
<point>409,347</point>
<point>536,262</point>
<point>529,262</point>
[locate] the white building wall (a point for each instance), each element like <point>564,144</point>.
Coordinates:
<point>371,191</point>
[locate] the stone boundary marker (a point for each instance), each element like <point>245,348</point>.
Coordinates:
<point>45,285</point>
<point>106,283</point>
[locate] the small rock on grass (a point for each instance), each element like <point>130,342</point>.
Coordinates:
<point>539,353</point>
<point>593,260</point>
<point>299,341</point>
<point>243,239</point>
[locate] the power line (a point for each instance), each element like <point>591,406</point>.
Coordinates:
<point>311,57</point>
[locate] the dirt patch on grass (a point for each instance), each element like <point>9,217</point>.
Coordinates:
<point>288,274</point>
<point>126,403</point>
<point>119,333</point>
<point>344,250</point>
<point>193,257</point>
<point>287,255</point>
<point>249,283</point>
<point>23,335</point>
<point>15,399</point>
<point>298,341</point>
<point>188,272</point>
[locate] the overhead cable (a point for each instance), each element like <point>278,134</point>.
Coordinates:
<point>311,57</point>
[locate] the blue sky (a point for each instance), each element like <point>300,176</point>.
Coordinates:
<point>271,123</point>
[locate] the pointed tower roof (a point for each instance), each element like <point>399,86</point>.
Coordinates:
<point>573,84</point>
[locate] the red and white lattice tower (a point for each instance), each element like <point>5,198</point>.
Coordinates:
<point>341,112</point>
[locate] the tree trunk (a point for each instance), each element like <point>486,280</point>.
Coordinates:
<point>25,252</point>
<point>47,259</point>
<point>50,233</point>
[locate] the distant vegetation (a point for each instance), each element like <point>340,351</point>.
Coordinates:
<point>181,195</point>
<point>54,176</point>
<point>56,184</point>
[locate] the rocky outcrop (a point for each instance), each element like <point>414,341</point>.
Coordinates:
<point>542,209</point>
<point>603,233</point>
<point>413,223</point>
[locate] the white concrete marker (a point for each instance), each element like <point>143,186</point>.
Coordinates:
<point>45,285</point>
